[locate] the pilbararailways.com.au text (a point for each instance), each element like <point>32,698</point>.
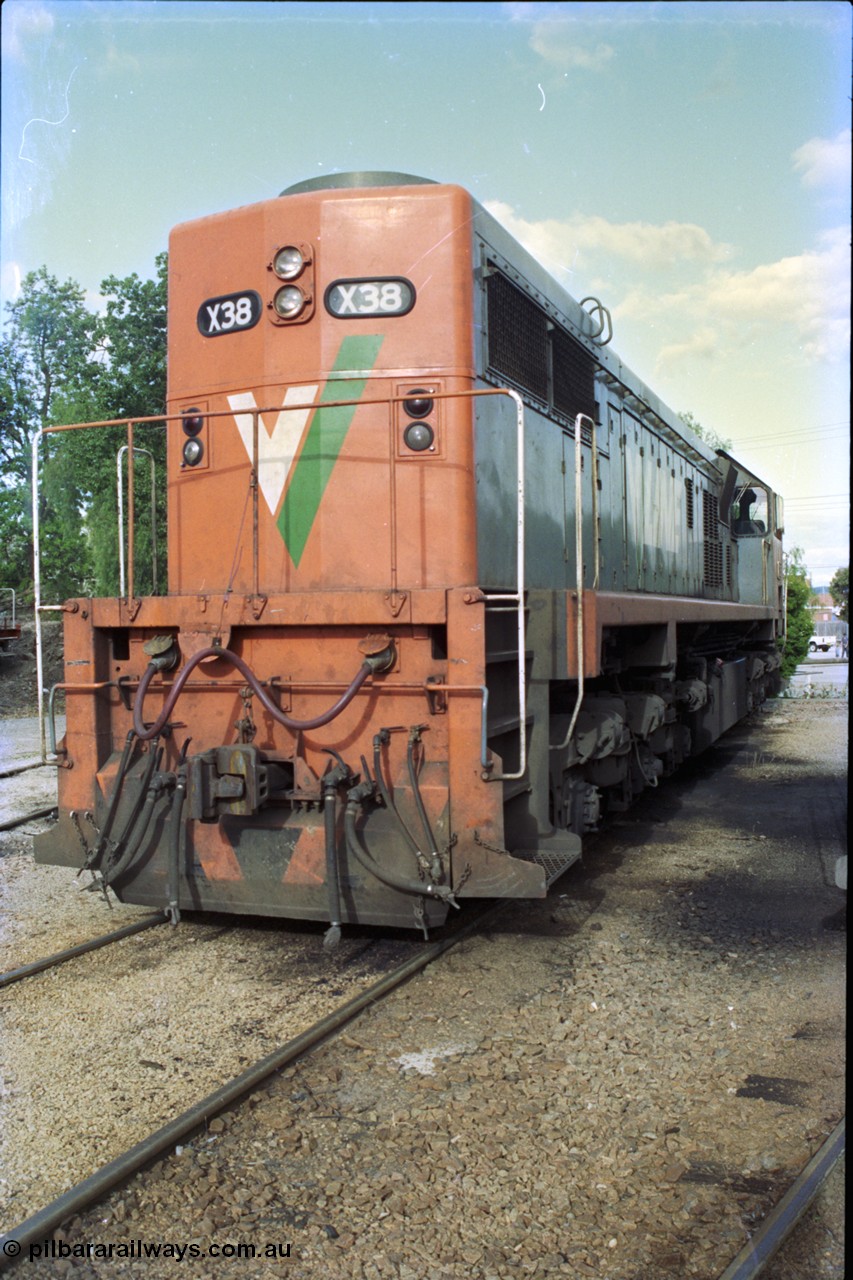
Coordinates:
<point>56,1249</point>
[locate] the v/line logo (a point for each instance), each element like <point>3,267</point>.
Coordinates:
<point>277,447</point>
<point>306,441</point>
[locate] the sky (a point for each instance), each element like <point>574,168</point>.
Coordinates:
<point>687,163</point>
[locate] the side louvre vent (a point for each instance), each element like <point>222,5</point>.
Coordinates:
<point>713,544</point>
<point>688,501</point>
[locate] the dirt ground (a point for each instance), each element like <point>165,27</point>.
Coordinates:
<point>616,1082</point>
<point>18,683</point>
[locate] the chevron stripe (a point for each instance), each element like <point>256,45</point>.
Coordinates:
<point>324,440</point>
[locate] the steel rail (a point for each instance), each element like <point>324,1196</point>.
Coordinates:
<point>14,770</point>
<point>28,817</point>
<point>59,957</point>
<point>782,1219</point>
<point>14,1242</point>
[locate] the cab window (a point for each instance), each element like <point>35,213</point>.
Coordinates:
<point>749,513</point>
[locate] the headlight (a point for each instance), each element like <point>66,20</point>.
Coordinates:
<point>418,403</point>
<point>418,436</point>
<point>289,302</point>
<point>288,262</point>
<point>193,453</point>
<point>192,421</point>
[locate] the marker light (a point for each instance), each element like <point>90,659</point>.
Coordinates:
<point>419,436</point>
<point>193,453</point>
<point>192,421</point>
<point>288,262</point>
<point>418,404</point>
<point>289,302</point>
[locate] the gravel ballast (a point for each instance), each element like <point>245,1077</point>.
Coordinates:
<point>616,1082</point>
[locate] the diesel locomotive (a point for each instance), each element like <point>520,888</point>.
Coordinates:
<point>447,583</point>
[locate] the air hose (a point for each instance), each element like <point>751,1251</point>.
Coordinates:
<point>379,740</point>
<point>173,887</point>
<point>113,849</point>
<point>97,852</point>
<point>159,783</point>
<point>424,888</point>
<point>414,736</point>
<point>366,669</point>
<point>331,781</point>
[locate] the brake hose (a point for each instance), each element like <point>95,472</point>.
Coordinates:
<point>402,883</point>
<point>97,850</point>
<point>317,722</point>
<point>138,826</point>
<point>173,884</point>
<point>379,739</point>
<point>113,849</point>
<point>435,865</point>
<point>331,781</point>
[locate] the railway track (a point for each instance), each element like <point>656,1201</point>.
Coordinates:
<point>82,949</point>
<point>783,1218</point>
<point>611,1075</point>
<point>44,812</point>
<point>774,1229</point>
<point>15,1242</point>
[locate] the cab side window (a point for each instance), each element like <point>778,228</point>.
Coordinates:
<point>749,514</point>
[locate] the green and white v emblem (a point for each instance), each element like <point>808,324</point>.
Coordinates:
<point>314,438</point>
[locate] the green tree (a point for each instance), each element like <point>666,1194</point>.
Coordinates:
<point>47,353</point>
<point>705,433</point>
<point>61,364</point>
<point>130,359</point>
<point>839,589</point>
<point>798,615</point>
<point>17,412</point>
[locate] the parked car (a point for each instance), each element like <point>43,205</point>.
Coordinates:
<point>824,643</point>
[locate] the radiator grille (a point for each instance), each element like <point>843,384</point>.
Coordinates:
<point>574,377</point>
<point>533,353</point>
<point>518,337</point>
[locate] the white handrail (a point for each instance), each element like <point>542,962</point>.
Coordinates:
<point>120,490</point>
<point>518,595</point>
<point>561,746</point>
<point>37,590</point>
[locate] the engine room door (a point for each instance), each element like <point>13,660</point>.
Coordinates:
<point>587,508</point>
<point>633,503</point>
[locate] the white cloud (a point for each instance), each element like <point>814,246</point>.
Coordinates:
<point>658,247</point>
<point>21,23</point>
<point>704,344</point>
<point>825,162</point>
<point>557,42</point>
<point>672,279</point>
<point>555,242</point>
<point>10,281</point>
<point>809,291</point>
